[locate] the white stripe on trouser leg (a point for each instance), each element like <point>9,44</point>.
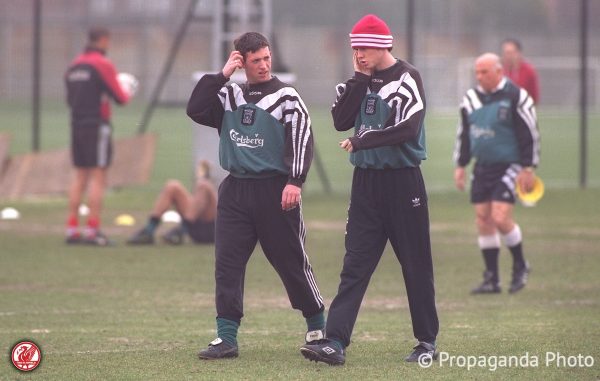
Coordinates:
<point>489,241</point>
<point>306,266</point>
<point>514,237</point>
<point>510,177</point>
<point>103,140</point>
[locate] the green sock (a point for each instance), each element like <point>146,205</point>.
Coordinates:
<point>227,330</point>
<point>334,343</point>
<point>316,321</point>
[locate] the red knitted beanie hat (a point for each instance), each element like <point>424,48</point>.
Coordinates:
<point>371,32</point>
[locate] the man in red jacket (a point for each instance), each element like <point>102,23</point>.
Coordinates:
<point>91,81</point>
<point>518,69</point>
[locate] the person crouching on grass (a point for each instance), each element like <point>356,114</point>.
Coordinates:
<point>197,209</point>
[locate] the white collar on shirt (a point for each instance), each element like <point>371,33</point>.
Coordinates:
<point>500,86</point>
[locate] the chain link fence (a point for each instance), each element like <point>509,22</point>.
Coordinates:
<point>311,40</point>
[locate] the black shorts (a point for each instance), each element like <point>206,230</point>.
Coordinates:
<point>202,231</point>
<point>91,144</point>
<point>494,182</point>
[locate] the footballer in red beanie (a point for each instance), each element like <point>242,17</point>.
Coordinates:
<point>384,105</point>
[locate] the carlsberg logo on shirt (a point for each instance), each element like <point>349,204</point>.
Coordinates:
<point>246,141</point>
<point>484,132</point>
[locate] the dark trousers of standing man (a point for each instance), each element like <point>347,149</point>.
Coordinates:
<point>387,204</point>
<point>249,211</point>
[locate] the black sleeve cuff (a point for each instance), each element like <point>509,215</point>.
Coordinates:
<point>222,78</point>
<point>295,181</point>
<point>356,143</point>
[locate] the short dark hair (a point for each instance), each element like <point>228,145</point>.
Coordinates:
<point>250,42</point>
<point>515,42</point>
<point>97,33</point>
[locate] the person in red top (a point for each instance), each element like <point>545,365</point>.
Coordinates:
<point>91,81</point>
<point>518,69</point>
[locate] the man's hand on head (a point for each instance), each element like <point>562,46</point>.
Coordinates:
<point>235,61</point>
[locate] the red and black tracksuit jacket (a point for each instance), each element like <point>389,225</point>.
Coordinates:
<point>91,81</point>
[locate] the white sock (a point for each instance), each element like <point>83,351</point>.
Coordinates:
<point>491,241</point>
<point>514,237</point>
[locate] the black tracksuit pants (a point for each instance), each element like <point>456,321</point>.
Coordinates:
<point>249,211</point>
<point>388,204</point>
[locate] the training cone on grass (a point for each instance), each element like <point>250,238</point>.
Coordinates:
<point>124,220</point>
<point>536,194</point>
<point>9,213</point>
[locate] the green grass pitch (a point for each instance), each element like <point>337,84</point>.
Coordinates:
<point>128,313</point>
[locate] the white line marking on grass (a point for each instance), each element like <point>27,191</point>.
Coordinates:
<point>102,351</point>
<point>54,312</point>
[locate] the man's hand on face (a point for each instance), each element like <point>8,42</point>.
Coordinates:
<point>235,61</point>
<point>358,66</point>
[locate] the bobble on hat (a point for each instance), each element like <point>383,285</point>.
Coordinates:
<point>371,32</point>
